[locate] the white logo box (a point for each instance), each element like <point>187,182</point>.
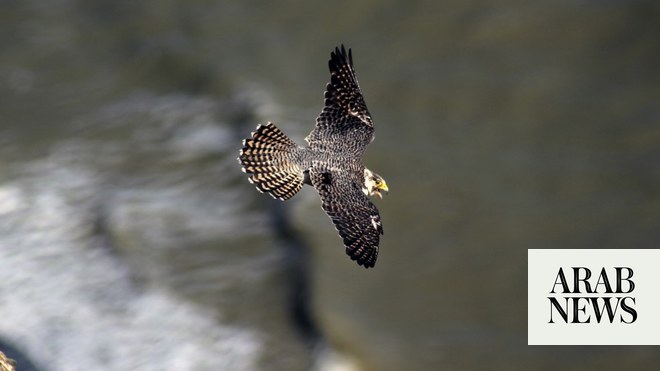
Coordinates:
<point>618,327</point>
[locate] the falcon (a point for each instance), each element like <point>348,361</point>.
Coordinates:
<point>331,162</point>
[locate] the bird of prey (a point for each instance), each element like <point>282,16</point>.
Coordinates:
<point>331,162</point>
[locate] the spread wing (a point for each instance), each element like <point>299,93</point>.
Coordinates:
<point>344,125</point>
<point>356,219</point>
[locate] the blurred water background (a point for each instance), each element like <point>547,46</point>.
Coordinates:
<point>129,238</point>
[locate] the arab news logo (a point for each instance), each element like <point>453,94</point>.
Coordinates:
<point>579,297</point>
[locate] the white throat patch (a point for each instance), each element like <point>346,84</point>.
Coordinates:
<point>369,184</point>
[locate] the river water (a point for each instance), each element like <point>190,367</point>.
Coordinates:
<point>129,238</point>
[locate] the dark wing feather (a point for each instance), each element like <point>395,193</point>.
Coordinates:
<point>344,125</point>
<point>356,219</point>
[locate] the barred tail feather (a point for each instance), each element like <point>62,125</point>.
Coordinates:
<point>270,159</point>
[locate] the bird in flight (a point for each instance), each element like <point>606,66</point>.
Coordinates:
<point>331,162</point>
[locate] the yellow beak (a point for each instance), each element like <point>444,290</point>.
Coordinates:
<point>382,187</point>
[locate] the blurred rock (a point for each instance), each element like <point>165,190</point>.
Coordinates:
<point>135,249</point>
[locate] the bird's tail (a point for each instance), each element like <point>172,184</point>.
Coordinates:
<point>270,157</point>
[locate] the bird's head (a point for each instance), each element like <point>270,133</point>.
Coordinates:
<point>374,184</point>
